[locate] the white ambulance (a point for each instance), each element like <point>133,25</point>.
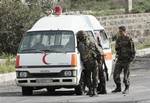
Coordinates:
<point>48,56</point>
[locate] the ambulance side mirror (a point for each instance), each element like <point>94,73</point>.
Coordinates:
<point>77,50</point>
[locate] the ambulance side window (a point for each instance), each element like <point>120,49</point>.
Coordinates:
<point>105,40</point>
<point>97,36</point>
<point>102,38</point>
<point>90,33</point>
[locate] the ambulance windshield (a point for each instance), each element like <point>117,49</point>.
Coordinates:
<point>48,41</point>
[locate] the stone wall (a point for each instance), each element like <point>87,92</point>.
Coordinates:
<point>138,25</point>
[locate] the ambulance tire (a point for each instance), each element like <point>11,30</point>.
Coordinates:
<point>80,89</point>
<point>50,90</point>
<point>27,91</point>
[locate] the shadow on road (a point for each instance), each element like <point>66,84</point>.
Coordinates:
<point>5,94</point>
<point>39,93</point>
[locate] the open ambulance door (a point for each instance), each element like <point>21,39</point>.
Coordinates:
<point>104,41</point>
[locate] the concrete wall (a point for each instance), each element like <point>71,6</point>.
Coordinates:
<point>138,25</point>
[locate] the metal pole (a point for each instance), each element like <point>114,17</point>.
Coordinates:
<point>128,6</point>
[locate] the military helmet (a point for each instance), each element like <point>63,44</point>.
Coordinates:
<point>81,34</point>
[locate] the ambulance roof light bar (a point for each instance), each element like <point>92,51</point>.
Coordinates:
<point>57,10</point>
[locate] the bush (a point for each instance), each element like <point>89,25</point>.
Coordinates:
<point>141,6</point>
<point>7,68</point>
<point>6,56</point>
<point>95,5</point>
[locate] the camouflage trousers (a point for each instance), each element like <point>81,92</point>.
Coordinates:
<point>119,67</point>
<point>102,80</point>
<point>91,74</point>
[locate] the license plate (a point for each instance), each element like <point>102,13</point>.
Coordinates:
<point>44,80</point>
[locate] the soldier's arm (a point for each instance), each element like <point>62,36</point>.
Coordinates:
<point>99,52</point>
<point>132,48</point>
<point>99,49</point>
<point>117,47</point>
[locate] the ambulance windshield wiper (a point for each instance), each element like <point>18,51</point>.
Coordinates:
<point>52,50</point>
<point>42,50</point>
<point>30,50</point>
<point>46,50</point>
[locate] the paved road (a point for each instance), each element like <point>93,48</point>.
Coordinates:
<point>139,91</point>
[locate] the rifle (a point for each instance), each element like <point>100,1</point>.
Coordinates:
<point>105,68</point>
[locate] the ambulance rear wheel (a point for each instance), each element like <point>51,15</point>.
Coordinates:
<point>27,91</point>
<point>80,89</point>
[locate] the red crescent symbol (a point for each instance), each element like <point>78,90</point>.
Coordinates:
<point>43,59</point>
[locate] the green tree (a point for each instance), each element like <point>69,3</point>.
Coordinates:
<point>140,6</point>
<point>15,19</point>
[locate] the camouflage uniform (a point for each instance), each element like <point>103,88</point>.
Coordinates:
<point>102,80</point>
<point>125,54</point>
<point>90,53</point>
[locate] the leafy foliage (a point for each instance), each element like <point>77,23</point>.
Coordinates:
<point>141,6</point>
<point>91,5</point>
<point>15,19</point>
<point>8,65</point>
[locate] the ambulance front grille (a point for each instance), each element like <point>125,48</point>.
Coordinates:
<point>45,75</point>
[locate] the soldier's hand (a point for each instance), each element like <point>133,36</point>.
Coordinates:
<point>116,57</point>
<point>132,59</point>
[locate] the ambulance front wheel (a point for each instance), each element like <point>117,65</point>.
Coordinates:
<point>27,91</point>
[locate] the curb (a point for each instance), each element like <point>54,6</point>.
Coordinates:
<point>2,61</point>
<point>12,76</point>
<point>143,52</point>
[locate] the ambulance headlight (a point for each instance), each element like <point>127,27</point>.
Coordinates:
<point>22,74</point>
<point>69,73</point>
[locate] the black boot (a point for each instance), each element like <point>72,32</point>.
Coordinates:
<point>90,92</point>
<point>94,92</point>
<point>126,90</point>
<point>117,89</point>
<point>102,90</point>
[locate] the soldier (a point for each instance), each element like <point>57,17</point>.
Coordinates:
<point>125,53</point>
<point>90,54</point>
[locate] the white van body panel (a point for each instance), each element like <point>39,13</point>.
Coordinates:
<point>63,22</point>
<point>50,59</point>
<point>94,23</point>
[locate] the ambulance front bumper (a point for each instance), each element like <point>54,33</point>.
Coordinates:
<point>43,82</point>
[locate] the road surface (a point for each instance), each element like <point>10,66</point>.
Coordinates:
<point>139,90</point>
